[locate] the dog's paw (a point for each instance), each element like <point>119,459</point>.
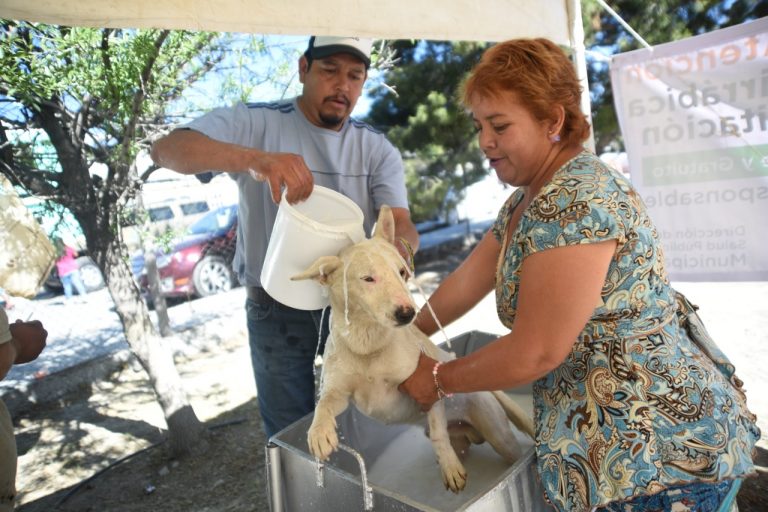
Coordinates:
<point>322,440</point>
<point>454,477</point>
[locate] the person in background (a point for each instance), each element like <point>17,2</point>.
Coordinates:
<point>635,408</point>
<point>289,146</point>
<point>68,269</point>
<point>20,342</point>
<point>5,299</point>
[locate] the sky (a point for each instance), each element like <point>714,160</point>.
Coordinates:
<point>283,48</point>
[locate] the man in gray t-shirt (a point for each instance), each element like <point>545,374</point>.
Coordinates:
<point>292,145</point>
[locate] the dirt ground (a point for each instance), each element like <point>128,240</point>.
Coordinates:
<point>101,449</point>
<point>71,451</point>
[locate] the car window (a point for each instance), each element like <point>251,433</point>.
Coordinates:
<point>213,221</point>
<point>193,208</point>
<point>160,213</point>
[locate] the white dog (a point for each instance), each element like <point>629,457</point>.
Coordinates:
<point>373,347</point>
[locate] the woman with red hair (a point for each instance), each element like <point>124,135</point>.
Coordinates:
<point>635,408</point>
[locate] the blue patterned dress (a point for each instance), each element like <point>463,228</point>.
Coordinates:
<point>644,400</point>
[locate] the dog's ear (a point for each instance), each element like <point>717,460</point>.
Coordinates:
<point>320,269</point>
<point>385,225</point>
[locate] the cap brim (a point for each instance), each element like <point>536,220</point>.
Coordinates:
<point>333,49</point>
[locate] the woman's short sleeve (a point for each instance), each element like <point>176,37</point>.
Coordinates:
<point>573,212</point>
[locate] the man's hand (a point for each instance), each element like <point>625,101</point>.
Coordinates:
<point>29,339</point>
<point>404,248</point>
<point>283,170</point>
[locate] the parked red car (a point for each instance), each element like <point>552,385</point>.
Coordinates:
<point>200,264</point>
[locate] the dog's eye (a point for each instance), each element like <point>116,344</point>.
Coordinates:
<point>403,273</point>
<point>368,279</point>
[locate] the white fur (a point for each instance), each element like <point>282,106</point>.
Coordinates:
<point>377,348</point>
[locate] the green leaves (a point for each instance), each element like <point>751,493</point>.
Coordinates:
<point>657,22</point>
<point>427,123</point>
<point>75,97</point>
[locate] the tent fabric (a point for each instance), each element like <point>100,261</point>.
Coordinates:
<point>456,20</point>
<point>28,255</point>
<point>471,20</point>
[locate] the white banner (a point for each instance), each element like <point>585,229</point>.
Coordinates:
<point>694,116</point>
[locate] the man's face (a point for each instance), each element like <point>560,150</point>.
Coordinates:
<point>332,86</point>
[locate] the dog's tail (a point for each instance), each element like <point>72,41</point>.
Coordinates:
<point>515,413</point>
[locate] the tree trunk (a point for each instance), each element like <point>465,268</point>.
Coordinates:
<point>185,431</point>
<point>155,292</point>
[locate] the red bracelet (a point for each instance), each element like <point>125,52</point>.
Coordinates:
<point>440,393</point>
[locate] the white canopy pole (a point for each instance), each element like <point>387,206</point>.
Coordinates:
<point>580,61</point>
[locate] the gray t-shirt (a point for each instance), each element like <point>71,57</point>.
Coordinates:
<point>357,161</point>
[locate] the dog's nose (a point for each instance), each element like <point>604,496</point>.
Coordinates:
<point>404,314</point>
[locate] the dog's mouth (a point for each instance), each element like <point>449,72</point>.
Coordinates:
<point>404,315</point>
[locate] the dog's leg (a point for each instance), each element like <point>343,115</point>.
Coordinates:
<point>515,413</point>
<point>488,417</point>
<point>322,437</point>
<point>454,474</point>
<point>501,439</point>
<point>463,434</point>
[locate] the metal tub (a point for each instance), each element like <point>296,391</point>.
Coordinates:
<point>393,468</point>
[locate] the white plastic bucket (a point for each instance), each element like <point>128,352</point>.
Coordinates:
<point>320,226</point>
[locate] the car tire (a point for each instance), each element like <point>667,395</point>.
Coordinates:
<point>212,275</point>
<point>90,274</point>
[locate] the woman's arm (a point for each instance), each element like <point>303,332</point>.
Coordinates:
<point>559,291</point>
<point>464,287</point>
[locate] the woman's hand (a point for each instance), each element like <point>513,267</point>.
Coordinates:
<point>421,384</point>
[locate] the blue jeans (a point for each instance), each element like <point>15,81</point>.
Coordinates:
<point>283,344</point>
<point>73,278</point>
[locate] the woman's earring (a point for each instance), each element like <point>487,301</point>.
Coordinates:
<point>554,138</point>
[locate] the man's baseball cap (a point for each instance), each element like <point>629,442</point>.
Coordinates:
<point>325,46</point>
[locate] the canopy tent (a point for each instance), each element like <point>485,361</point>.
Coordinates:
<point>469,20</point>
<point>476,20</point>
<point>457,20</point>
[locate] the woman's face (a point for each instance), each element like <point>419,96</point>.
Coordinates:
<point>515,143</point>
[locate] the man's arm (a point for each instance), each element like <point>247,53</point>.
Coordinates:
<point>7,351</point>
<point>27,340</point>
<point>405,230</point>
<point>191,152</point>
<point>7,357</point>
